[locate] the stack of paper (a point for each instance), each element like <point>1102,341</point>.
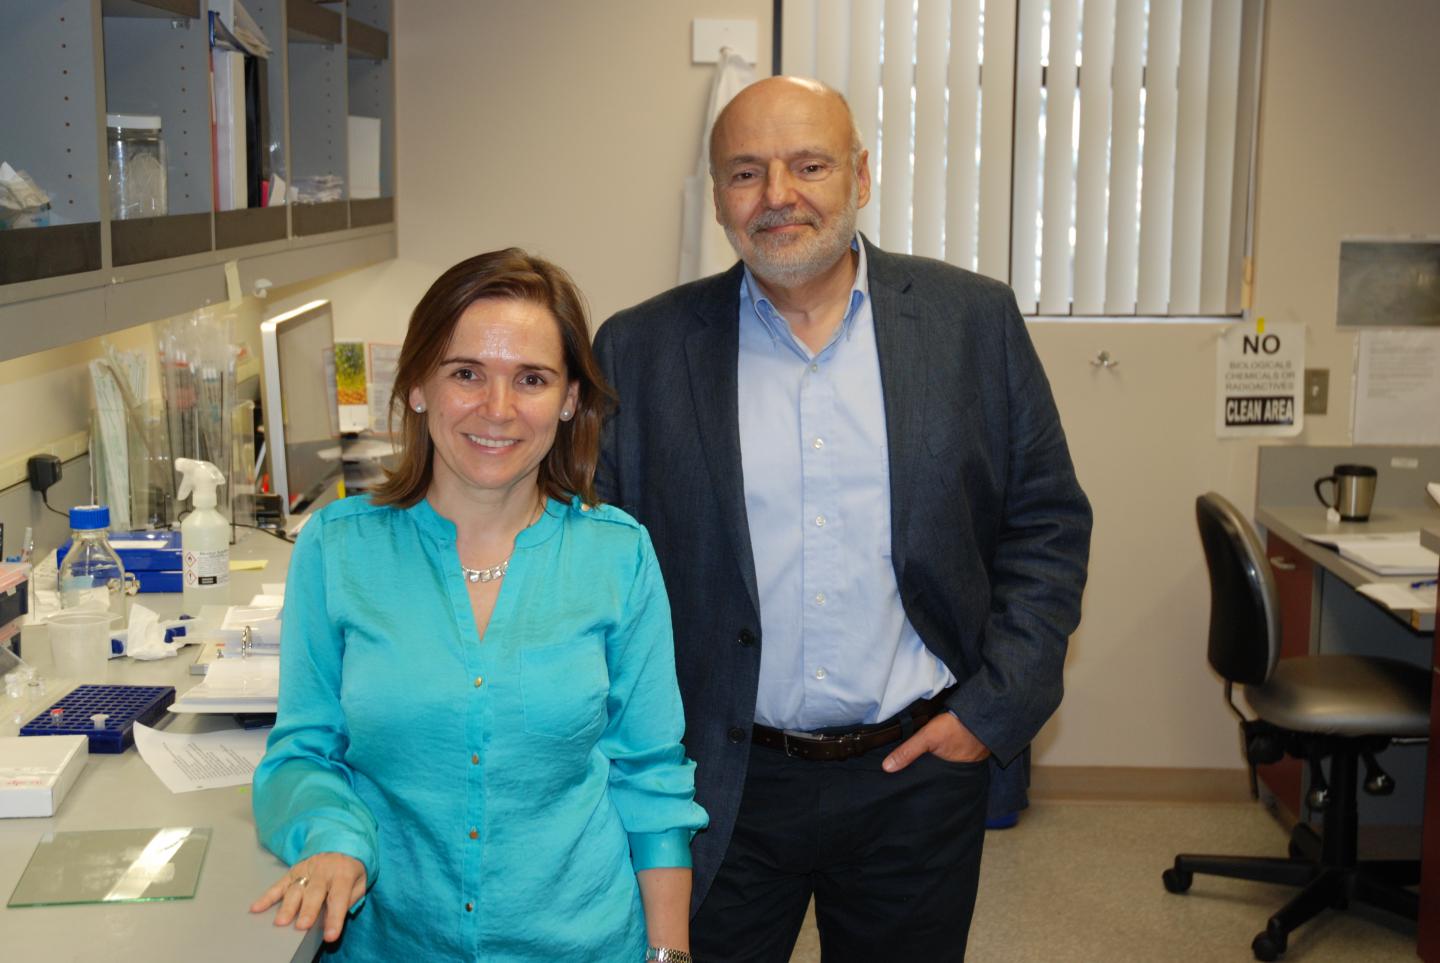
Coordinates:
<point>1416,598</point>
<point>235,685</point>
<point>1384,553</point>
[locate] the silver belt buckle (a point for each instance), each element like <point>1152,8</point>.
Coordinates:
<point>788,734</point>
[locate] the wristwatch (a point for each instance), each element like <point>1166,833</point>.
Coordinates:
<point>663,954</point>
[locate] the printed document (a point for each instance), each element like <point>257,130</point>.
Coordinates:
<point>186,762</point>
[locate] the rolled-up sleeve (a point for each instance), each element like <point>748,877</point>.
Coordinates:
<point>652,783</point>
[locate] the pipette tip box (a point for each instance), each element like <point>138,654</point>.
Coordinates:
<point>122,705</point>
<point>35,774</point>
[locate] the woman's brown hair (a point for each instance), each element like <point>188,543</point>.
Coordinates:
<point>569,467</point>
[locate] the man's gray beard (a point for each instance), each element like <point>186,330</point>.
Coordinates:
<point>796,264</point>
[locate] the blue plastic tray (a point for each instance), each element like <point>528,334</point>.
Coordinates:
<point>125,704</point>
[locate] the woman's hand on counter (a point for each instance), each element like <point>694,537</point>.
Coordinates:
<point>326,882</point>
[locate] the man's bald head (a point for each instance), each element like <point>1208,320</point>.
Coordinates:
<point>774,96</point>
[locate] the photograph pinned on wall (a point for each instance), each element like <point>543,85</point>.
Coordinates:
<point>1389,283</point>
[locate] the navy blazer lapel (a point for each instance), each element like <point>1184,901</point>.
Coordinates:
<point>712,352</point>
<point>900,342</point>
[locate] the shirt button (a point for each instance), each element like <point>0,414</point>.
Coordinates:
<point>814,366</point>
<point>736,734</point>
<point>818,443</point>
<point>469,907</point>
<point>475,759</point>
<point>819,521</point>
<point>820,673</point>
<point>819,598</point>
<point>479,681</point>
<point>474,833</point>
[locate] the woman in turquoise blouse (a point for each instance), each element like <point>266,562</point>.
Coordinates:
<point>477,752</point>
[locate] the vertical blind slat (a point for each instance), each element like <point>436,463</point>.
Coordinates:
<point>863,92</point>
<point>1189,190</point>
<point>1097,60</point>
<point>1026,189</point>
<point>961,169</point>
<point>896,85</point>
<point>1158,176</point>
<point>1215,257</point>
<point>997,97</point>
<point>1059,163</point>
<point>1122,247</point>
<point>832,44</point>
<point>932,29</point>
<point>797,54</point>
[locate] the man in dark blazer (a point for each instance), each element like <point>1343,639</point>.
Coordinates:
<point>874,543</point>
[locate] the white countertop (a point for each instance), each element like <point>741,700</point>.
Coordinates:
<point>120,791</point>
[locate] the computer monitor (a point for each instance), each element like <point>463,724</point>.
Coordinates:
<point>302,421</point>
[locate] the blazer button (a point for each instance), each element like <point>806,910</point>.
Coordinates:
<point>747,638</point>
<point>737,735</point>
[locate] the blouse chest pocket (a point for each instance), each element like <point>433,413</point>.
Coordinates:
<point>564,686</point>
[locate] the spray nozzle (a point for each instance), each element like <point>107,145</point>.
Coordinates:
<point>199,477</point>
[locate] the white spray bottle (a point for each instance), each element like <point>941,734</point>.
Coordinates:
<point>204,539</point>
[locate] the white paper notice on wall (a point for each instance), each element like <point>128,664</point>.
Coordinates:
<point>1260,380</point>
<point>1397,387</point>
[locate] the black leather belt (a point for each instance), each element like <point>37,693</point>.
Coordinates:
<point>835,746</point>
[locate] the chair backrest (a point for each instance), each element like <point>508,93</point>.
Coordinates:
<point>1244,605</point>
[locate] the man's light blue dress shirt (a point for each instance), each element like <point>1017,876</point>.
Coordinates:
<point>836,647</point>
<point>500,791</point>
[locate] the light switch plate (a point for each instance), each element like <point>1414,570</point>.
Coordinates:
<point>708,36</point>
<point>1317,390</point>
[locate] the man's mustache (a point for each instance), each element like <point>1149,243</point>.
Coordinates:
<point>766,220</point>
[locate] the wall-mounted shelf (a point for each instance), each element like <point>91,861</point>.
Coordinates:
<point>75,272</point>
<point>160,9</point>
<point>249,225</point>
<point>44,316</point>
<point>308,23</point>
<point>363,41</point>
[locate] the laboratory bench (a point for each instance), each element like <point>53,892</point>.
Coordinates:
<point>120,792</point>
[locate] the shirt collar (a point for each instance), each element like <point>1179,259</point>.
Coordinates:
<point>775,325</point>
<point>439,527</point>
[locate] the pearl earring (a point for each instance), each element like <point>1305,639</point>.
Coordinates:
<point>565,415</point>
<point>420,409</point>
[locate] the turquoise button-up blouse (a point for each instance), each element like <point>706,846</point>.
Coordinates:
<point>500,791</point>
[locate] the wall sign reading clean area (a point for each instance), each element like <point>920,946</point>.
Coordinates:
<point>1259,380</point>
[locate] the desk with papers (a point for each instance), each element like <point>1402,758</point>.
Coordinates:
<point>1329,604</point>
<point>121,791</point>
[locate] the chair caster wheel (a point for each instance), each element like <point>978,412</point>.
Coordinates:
<point>1177,880</point>
<point>1268,947</point>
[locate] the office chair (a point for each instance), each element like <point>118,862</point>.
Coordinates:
<point>1344,707</point>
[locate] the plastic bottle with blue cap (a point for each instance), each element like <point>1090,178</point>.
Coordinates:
<point>204,539</point>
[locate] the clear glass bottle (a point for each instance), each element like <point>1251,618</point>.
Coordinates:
<point>136,149</point>
<point>92,562</point>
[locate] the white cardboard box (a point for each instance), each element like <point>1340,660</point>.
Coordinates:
<point>37,771</point>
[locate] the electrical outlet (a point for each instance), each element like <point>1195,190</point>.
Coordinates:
<point>1317,390</point>
<point>12,470</point>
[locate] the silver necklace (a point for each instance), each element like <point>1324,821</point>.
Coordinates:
<point>492,574</point>
<point>495,572</point>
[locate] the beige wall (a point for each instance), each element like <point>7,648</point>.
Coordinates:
<point>567,126</point>
<point>1348,140</point>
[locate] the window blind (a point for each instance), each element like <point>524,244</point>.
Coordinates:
<point>1093,154</point>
